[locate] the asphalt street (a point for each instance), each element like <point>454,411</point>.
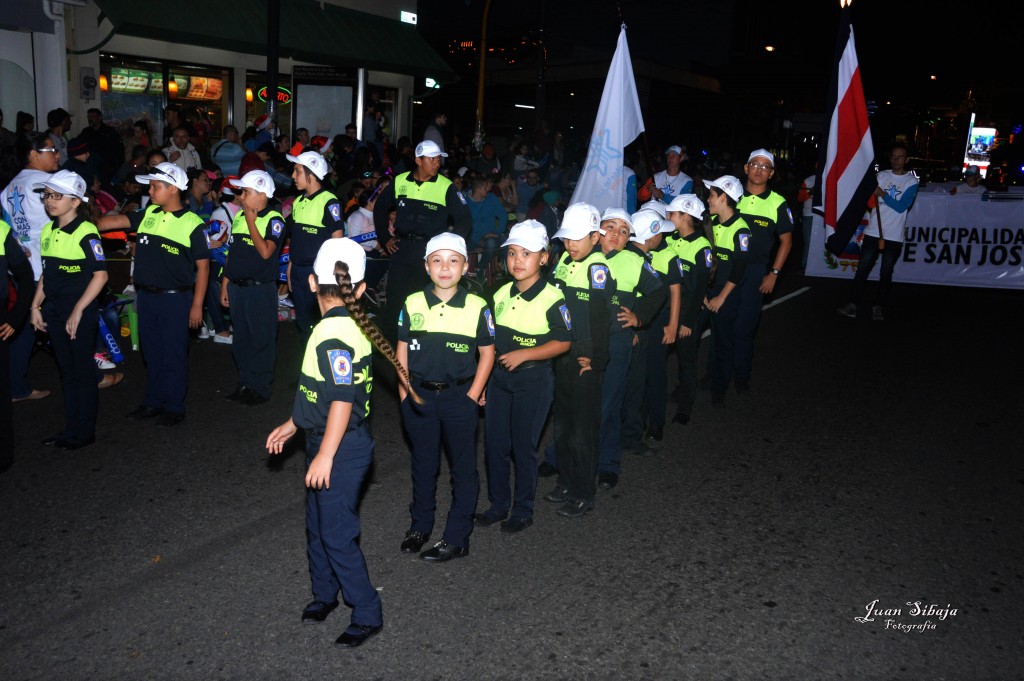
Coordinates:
<point>873,466</point>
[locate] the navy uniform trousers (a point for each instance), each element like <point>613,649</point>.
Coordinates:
<point>307,309</point>
<point>254,317</point>
<point>517,407</point>
<point>163,334</point>
<point>332,528</point>
<point>77,365</point>
<point>577,426</point>
<point>449,418</point>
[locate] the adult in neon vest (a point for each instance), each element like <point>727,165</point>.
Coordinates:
<point>249,287</point>
<point>769,218</point>
<point>532,326</point>
<point>316,217</point>
<point>426,203</point>
<point>732,243</point>
<point>638,298</point>
<point>440,331</point>
<point>74,274</point>
<point>23,211</point>
<point>172,266</point>
<point>14,261</point>
<point>696,260</point>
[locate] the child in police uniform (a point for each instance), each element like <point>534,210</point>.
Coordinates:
<point>587,284</point>
<point>331,406</point>
<point>74,274</point>
<point>13,261</point>
<point>532,325</point>
<point>440,332</point>
<point>249,287</point>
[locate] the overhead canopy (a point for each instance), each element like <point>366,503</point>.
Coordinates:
<point>329,35</point>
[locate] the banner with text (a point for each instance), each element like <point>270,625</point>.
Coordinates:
<point>949,240</point>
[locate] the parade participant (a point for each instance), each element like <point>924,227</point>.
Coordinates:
<point>587,285</point>
<point>172,266</point>
<point>732,243</point>
<point>440,332</point>
<point>249,287</point>
<point>425,201</point>
<point>219,231</point>
<point>315,218</point>
<point>768,217</point>
<point>532,326</point>
<point>637,299</point>
<point>696,262</point>
<point>669,183</point>
<point>331,406</point>
<point>74,274</point>
<point>14,261</point>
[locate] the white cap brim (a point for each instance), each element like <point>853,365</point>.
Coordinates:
<point>60,190</point>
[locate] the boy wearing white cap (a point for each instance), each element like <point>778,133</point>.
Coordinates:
<point>249,287</point>
<point>440,332</point>
<point>586,281</point>
<point>638,298</point>
<point>172,265</point>
<point>532,325</point>
<point>671,182</point>
<point>316,217</point>
<point>332,403</point>
<point>732,244</point>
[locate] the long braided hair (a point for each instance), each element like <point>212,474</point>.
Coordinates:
<point>346,292</point>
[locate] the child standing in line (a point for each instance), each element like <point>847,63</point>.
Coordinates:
<point>586,281</point>
<point>331,406</point>
<point>696,265</point>
<point>440,332</point>
<point>74,274</point>
<point>532,325</point>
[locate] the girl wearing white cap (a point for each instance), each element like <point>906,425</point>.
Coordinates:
<point>74,274</point>
<point>532,326</point>
<point>331,406</point>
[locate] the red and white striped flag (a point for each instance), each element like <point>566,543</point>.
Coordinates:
<point>846,161</point>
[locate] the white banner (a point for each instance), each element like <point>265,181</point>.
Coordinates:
<point>949,240</point>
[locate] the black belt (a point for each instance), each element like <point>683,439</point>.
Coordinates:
<point>157,289</point>
<point>526,365</point>
<point>438,387</point>
<point>249,282</point>
<point>414,237</point>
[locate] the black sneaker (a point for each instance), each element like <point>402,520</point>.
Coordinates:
<point>656,433</point>
<point>559,495</point>
<point>513,525</point>
<point>546,470</point>
<point>576,508</point>
<point>606,480</point>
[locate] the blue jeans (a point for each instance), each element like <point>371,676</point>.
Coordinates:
<point>868,256</point>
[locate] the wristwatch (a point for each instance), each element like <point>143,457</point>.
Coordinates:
<point>775,271</point>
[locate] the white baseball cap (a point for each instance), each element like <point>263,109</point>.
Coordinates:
<point>761,152</point>
<point>728,184</point>
<point>674,148</point>
<point>345,250</point>
<point>529,234</point>
<point>655,205</point>
<point>647,223</point>
<point>617,214</point>
<point>165,172</point>
<point>64,182</point>
<point>579,220</point>
<point>446,241</point>
<point>462,171</point>
<point>429,148</point>
<point>258,180</point>
<point>687,203</point>
<point>311,160</point>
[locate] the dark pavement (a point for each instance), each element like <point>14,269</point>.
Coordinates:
<point>872,462</point>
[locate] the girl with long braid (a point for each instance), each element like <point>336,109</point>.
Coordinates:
<point>331,406</point>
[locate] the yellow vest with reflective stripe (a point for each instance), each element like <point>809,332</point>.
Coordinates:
<point>65,246</point>
<point>167,226</point>
<point>530,317</point>
<point>427,192</point>
<point>459,321</point>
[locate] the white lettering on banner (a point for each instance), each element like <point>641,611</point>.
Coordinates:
<point>949,240</point>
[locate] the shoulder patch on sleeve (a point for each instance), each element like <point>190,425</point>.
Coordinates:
<point>566,317</point>
<point>679,264</point>
<point>276,226</point>
<point>401,317</point>
<point>598,276</point>
<point>789,214</point>
<point>490,322</point>
<point>650,268</point>
<point>744,242</point>
<point>335,211</point>
<point>461,198</point>
<point>341,366</point>
<point>708,258</point>
<point>97,249</point>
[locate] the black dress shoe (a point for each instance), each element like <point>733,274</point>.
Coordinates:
<point>607,480</point>
<point>317,611</point>
<point>240,392</point>
<point>72,443</point>
<point>170,418</point>
<point>681,418</point>
<point>487,519</point>
<point>656,433</point>
<point>254,399</point>
<point>144,412</point>
<point>52,440</point>
<point>546,470</point>
<point>513,525</point>
<point>576,508</point>
<point>443,551</point>
<point>357,634</point>
<point>414,541</point>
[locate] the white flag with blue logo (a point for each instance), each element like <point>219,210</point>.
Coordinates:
<point>619,122</point>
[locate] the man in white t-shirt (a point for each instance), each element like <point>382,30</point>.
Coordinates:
<point>972,182</point>
<point>672,181</point>
<point>895,193</point>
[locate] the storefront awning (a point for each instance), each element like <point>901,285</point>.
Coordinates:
<point>330,35</point>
